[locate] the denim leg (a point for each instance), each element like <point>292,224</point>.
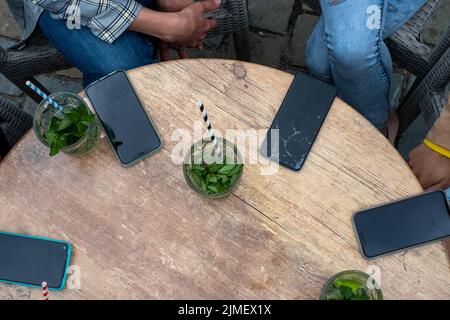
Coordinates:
<point>317,58</point>
<point>359,60</point>
<point>94,57</point>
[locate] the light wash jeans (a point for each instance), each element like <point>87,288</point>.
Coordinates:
<point>347,48</point>
<point>448,194</point>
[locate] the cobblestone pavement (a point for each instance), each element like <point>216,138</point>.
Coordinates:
<point>279,32</point>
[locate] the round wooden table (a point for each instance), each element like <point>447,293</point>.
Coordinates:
<point>142,232</point>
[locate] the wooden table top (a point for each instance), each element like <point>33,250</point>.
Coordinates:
<point>142,233</point>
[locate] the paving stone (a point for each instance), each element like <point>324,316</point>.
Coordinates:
<point>7,87</point>
<point>71,73</point>
<point>438,24</point>
<point>266,50</point>
<point>54,83</point>
<point>8,26</point>
<point>303,28</point>
<point>272,15</point>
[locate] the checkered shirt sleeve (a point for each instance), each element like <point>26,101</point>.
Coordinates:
<point>107,19</point>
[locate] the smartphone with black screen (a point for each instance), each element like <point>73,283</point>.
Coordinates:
<point>298,121</point>
<point>29,260</point>
<point>128,127</point>
<point>403,224</point>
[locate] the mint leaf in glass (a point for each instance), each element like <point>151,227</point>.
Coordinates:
<point>215,178</point>
<point>65,130</point>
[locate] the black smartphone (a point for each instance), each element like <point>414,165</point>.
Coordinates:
<point>29,261</point>
<point>403,224</point>
<point>298,121</point>
<point>128,127</point>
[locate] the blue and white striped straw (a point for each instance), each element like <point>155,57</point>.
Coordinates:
<point>201,106</point>
<point>44,96</point>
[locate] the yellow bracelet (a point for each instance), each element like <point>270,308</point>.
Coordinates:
<point>436,148</point>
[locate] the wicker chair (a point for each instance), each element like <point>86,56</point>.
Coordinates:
<point>410,53</point>
<point>14,123</point>
<point>20,62</point>
<point>428,95</point>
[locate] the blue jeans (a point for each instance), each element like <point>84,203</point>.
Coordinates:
<point>448,194</point>
<point>346,48</point>
<point>94,57</point>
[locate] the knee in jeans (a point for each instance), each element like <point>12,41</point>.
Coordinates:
<point>353,55</point>
<point>317,62</point>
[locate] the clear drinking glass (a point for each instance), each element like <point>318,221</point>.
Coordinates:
<point>356,280</point>
<point>211,175</point>
<point>45,111</point>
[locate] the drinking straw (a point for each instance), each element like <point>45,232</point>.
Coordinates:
<point>201,106</point>
<point>44,96</point>
<point>44,291</point>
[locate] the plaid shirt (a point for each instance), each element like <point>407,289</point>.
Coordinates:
<point>107,19</point>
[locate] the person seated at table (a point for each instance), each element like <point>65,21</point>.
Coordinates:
<point>430,161</point>
<point>99,37</point>
<point>347,48</point>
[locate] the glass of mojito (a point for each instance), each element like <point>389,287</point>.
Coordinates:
<point>210,173</point>
<point>351,285</point>
<point>75,131</point>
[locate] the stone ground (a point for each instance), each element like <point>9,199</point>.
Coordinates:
<point>279,32</point>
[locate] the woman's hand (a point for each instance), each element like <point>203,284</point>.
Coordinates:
<point>187,26</point>
<point>183,29</point>
<point>431,168</point>
<point>190,30</point>
<point>192,26</point>
<point>173,5</point>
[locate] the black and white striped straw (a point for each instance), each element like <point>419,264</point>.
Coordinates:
<point>201,106</point>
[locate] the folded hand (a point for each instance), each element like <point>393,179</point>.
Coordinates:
<point>191,25</point>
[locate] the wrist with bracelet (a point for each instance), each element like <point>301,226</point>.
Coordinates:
<point>436,148</point>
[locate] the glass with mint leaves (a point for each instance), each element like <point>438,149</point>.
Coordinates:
<point>74,132</point>
<point>210,173</point>
<point>351,285</point>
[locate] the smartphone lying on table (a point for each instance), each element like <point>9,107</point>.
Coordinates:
<point>403,224</point>
<point>30,260</point>
<point>130,130</point>
<point>298,121</point>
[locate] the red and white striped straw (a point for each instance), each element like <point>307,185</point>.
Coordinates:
<point>208,125</point>
<point>44,291</point>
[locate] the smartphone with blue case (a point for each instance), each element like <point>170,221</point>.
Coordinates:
<point>30,260</point>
